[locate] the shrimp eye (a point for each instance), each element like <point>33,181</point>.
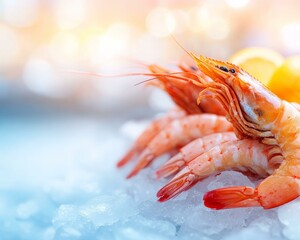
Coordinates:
<point>194,68</point>
<point>225,69</point>
<point>232,70</point>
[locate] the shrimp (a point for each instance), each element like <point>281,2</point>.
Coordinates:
<point>193,150</point>
<point>183,92</point>
<point>178,133</point>
<point>255,113</point>
<point>149,133</point>
<point>242,155</point>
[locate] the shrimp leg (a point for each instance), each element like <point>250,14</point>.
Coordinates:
<point>242,155</point>
<point>178,133</point>
<point>193,150</point>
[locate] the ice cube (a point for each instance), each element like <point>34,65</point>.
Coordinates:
<point>289,216</point>
<point>48,233</point>
<point>266,222</point>
<point>76,184</point>
<point>174,210</point>
<point>143,187</point>
<point>189,234</point>
<point>132,129</point>
<point>66,233</point>
<point>69,224</point>
<point>229,178</point>
<point>249,233</point>
<point>105,210</point>
<point>145,228</point>
<point>27,209</point>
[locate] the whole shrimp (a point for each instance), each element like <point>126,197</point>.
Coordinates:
<point>247,156</point>
<point>255,113</point>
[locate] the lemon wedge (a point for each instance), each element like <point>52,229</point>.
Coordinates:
<point>261,63</point>
<point>285,81</point>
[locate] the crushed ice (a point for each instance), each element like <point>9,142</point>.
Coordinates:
<point>88,198</point>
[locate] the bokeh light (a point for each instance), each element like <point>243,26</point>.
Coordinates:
<point>199,19</point>
<point>10,49</point>
<point>65,47</point>
<point>161,22</point>
<point>237,3</point>
<point>291,37</point>
<point>90,35</point>
<point>218,28</point>
<point>41,77</point>
<point>114,42</point>
<point>181,21</point>
<point>70,13</point>
<point>20,13</point>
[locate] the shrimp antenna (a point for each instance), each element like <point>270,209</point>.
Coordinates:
<point>182,47</point>
<point>145,81</point>
<point>186,51</point>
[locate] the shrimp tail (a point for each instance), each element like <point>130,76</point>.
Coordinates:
<point>176,186</point>
<point>172,166</point>
<point>166,170</point>
<point>274,191</point>
<point>231,197</point>
<point>144,160</point>
<point>184,180</point>
<point>149,133</point>
<point>129,155</point>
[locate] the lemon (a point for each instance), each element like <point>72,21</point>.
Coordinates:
<point>285,81</point>
<point>261,63</point>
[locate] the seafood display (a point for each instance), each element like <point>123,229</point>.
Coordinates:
<point>225,120</point>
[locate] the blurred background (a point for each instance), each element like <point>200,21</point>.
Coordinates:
<point>43,40</point>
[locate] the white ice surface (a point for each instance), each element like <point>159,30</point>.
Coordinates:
<point>59,181</point>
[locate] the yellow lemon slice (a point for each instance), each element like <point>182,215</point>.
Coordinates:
<point>285,81</point>
<point>259,62</point>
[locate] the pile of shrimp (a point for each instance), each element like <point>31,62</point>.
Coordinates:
<point>224,120</point>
